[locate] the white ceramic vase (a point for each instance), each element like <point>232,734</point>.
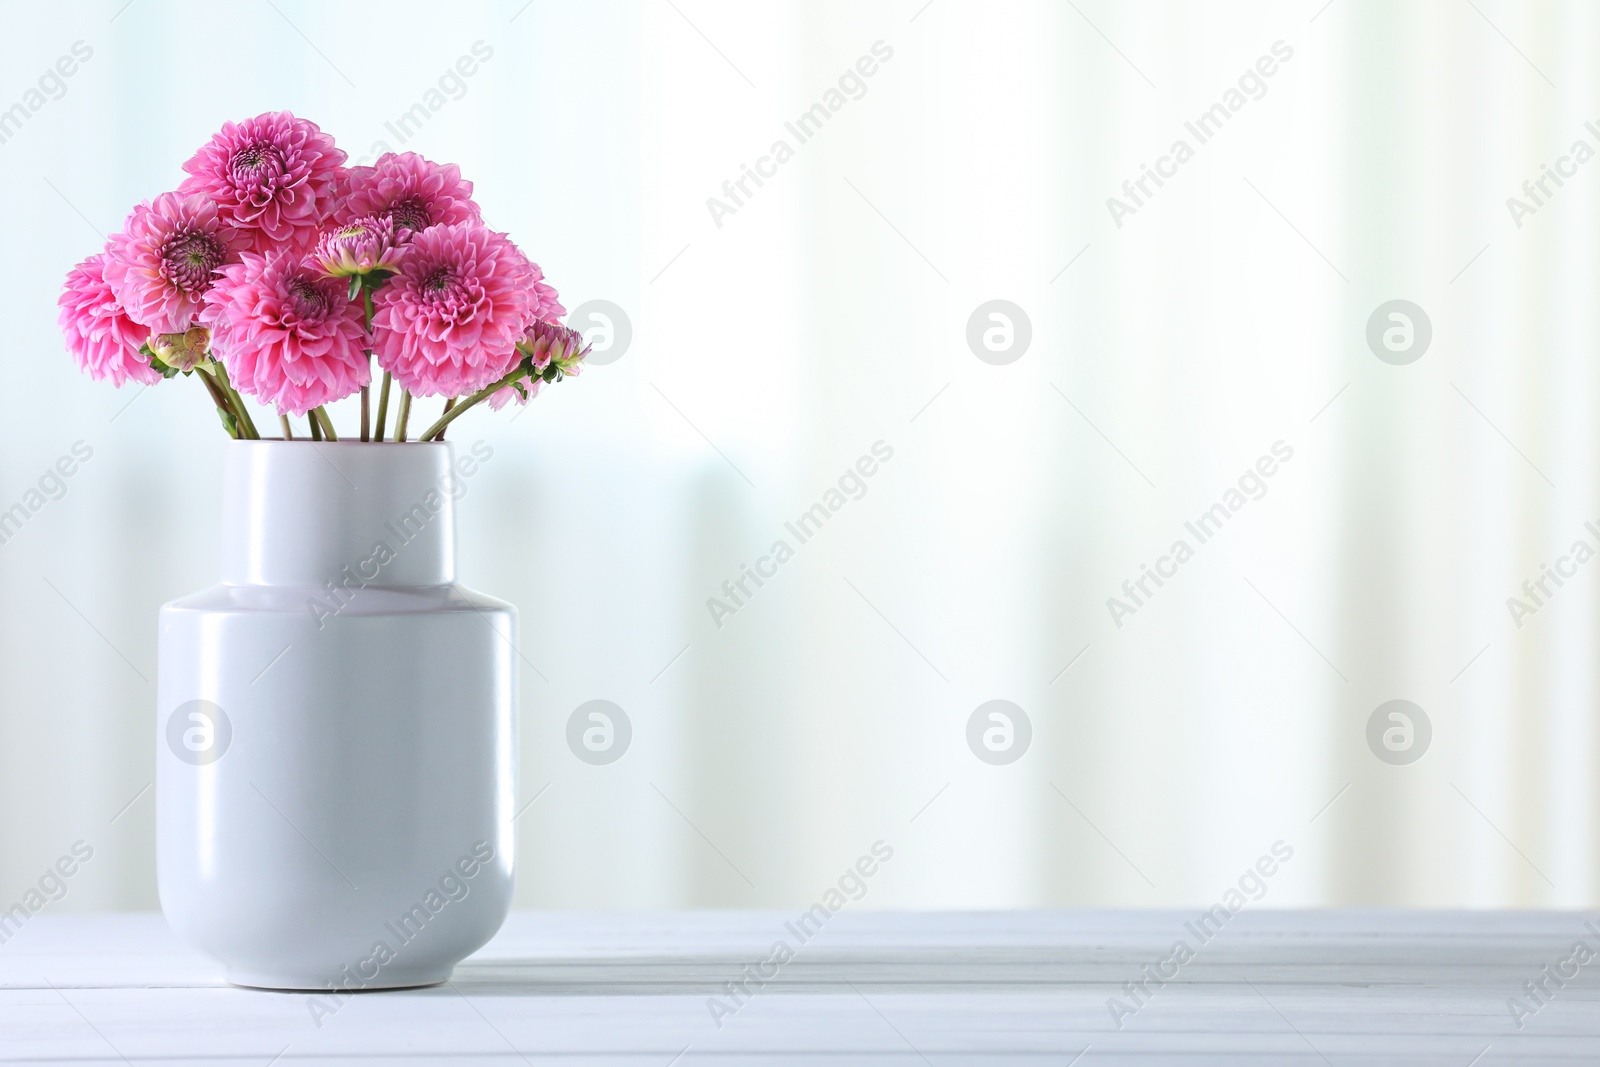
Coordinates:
<point>336,726</point>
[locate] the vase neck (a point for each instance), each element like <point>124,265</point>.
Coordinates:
<point>300,513</point>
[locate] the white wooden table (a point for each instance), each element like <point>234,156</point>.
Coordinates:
<point>1369,987</point>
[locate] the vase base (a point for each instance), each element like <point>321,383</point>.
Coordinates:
<point>281,983</point>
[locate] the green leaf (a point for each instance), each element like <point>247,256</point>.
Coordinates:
<point>229,423</point>
<point>355,286</point>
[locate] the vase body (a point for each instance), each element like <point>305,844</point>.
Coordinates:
<point>336,727</point>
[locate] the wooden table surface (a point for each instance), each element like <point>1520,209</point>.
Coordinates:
<point>1271,987</point>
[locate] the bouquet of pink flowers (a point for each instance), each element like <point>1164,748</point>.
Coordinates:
<point>277,272</point>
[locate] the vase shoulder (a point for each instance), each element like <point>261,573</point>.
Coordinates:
<point>354,602</point>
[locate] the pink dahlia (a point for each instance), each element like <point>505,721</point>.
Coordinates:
<point>410,190</point>
<point>360,246</point>
<point>449,322</point>
<point>273,176</point>
<point>547,343</point>
<point>551,351</point>
<point>286,334</point>
<point>100,335</point>
<point>165,259</point>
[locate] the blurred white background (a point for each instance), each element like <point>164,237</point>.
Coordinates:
<point>830,312</point>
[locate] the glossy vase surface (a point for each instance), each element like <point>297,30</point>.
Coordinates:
<point>336,726</point>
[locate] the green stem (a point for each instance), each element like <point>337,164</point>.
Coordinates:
<point>436,431</point>
<point>321,415</point>
<point>224,406</point>
<point>383,407</point>
<point>244,415</point>
<point>316,428</point>
<point>288,431</point>
<point>366,390</point>
<point>405,415</point>
<point>448,404</point>
<point>247,425</point>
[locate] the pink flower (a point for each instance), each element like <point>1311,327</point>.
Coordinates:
<point>165,259</point>
<point>449,322</point>
<point>286,334</point>
<point>545,343</point>
<point>272,176</point>
<point>551,352</point>
<point>100,335</point>
<point>413,192</point>
<point>360,246</point>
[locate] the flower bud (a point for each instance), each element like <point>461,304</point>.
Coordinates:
<point>547,344</point>
<point>182,351</point>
